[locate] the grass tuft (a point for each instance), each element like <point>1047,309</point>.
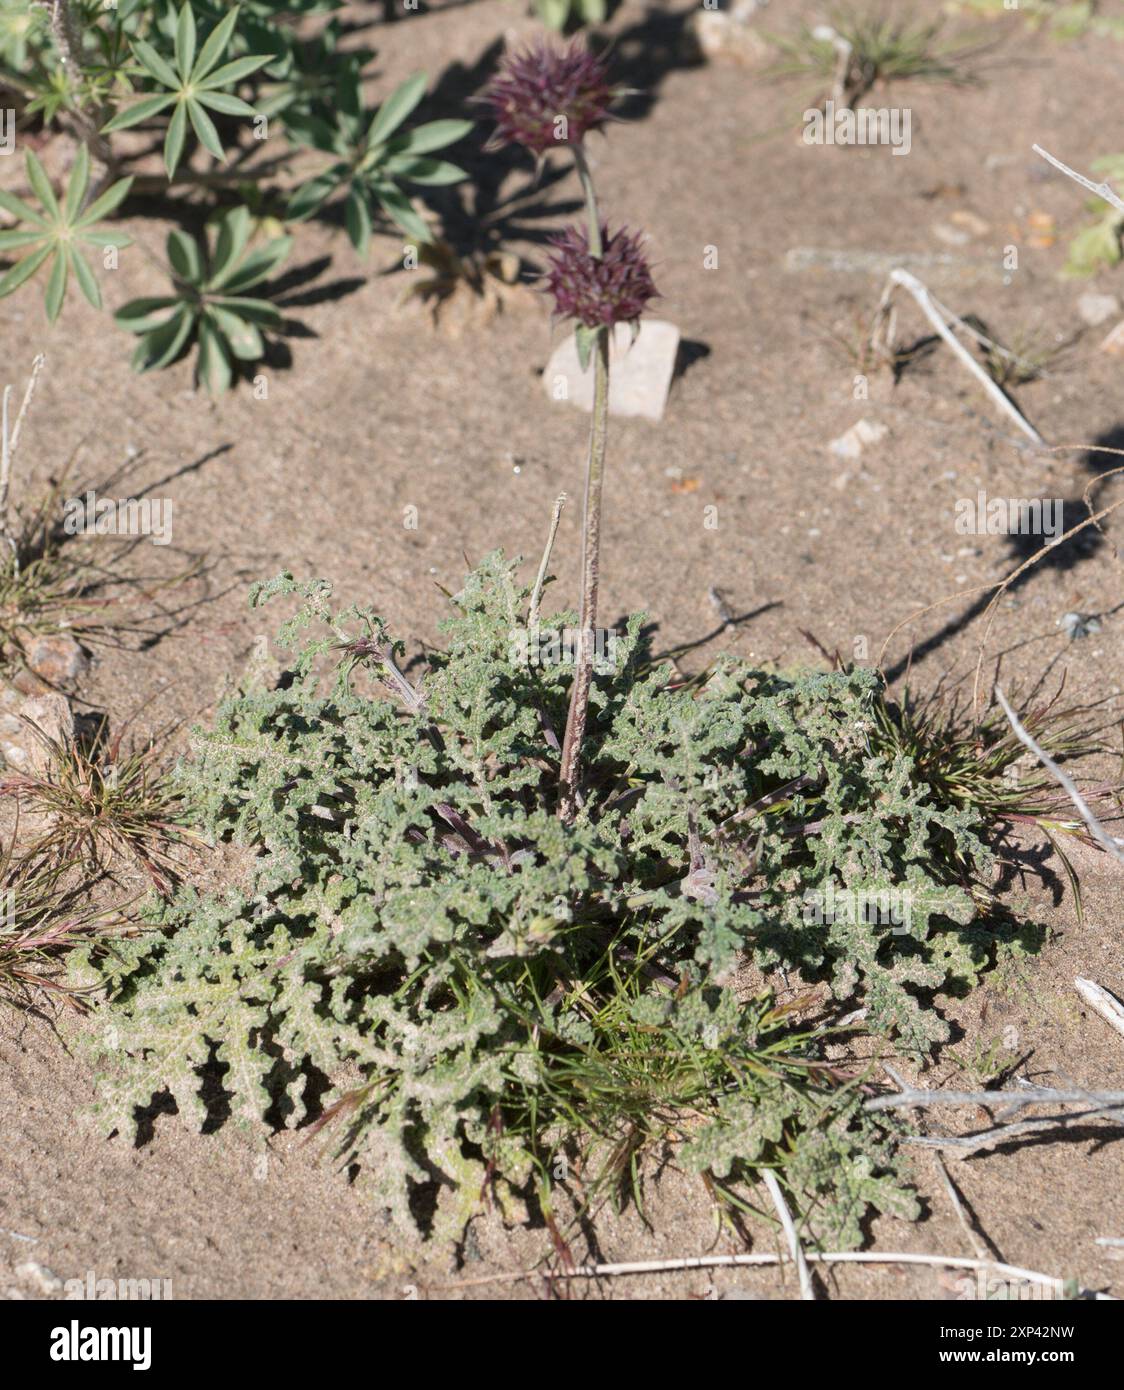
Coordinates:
<point>44,914</point>
<point>884,48</point>
<point>104,807</point>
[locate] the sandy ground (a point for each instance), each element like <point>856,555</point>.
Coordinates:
<point>379,414</point>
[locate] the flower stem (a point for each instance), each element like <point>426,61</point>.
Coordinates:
<point>591,529</point>
<point>591,544</point>
<point>582,166</point>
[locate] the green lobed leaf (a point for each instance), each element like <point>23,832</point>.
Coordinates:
<point>434,135</point>
<point>41,184</point>
<point>87,282</point>
<point>143,110</point>
<point>212,366</point>
<point>106,203</point>
<point>215,45</point>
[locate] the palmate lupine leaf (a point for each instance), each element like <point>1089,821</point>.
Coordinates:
<point>209,303</point>
<point>373,156</point>
<point>193,86</point>
<point>54,233</point>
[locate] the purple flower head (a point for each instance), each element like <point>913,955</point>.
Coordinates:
<point>613,288</point>
<point>548,96</point>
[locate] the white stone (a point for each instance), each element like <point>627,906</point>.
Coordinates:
<point>639,373</point>
<point>851,444</point>
<point>1096,309</point>
<point>951,236</point>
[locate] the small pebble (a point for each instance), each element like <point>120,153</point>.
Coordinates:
<point>46,1281</point>
<point>1096,309</point>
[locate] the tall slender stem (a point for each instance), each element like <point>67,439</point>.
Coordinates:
<point>591,539</point>
<point>591,528</point>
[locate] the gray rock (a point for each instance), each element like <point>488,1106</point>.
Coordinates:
<point>22,747</point>
<point>57,659</point>
<point>730,34</point>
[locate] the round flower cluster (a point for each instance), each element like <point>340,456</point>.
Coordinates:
<point>548,96</point>
<point>600,290</point>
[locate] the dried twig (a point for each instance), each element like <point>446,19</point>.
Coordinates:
<point>940,317</point>
<point>965,1144</point>
<point>910,1098</point>
<point>540,579</point>
<point>962,1215</point>
<point>1099,833</point>
<point>1102,190</point>
<point>604,1271</point>
<point>10,442</point>
<point>1105,1004</point>
<point>770,1179</point>
<point>1099,1105</point>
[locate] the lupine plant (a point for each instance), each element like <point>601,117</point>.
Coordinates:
<point>206,80</point>
<point>54,234</point>
<point>209,305</point>
<point>545,97</point>
<point>373,156</point>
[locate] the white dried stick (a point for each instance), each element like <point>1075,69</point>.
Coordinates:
<point>1103,1003</point>
<point>1102,190</point>
<point>928,306</point>
<point>806,1289</point>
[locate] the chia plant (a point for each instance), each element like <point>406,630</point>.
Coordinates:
<point>515,984</point>
<point>546,96</point>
